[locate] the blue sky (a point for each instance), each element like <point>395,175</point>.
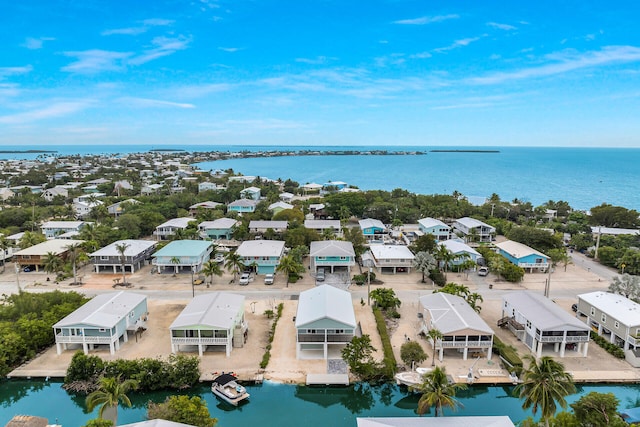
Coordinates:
<point>320,72</point>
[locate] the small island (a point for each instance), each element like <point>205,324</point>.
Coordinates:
<point>27,151</point>
<point>464,151</point>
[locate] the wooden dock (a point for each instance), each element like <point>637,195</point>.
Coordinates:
<point>327,379</point>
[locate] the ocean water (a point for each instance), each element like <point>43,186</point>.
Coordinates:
<point>584,177</point>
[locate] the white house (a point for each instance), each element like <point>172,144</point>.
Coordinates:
<point>541,324</point>
<point>136,253</point>
<point>392,258</point>
<point>473,230</point>
<point>53,229</point>
<point>325,322</point>
<point>449,421</point>
<point>168,228</point>
<point>212,319</point>
<point>320,225</point>
<point>262,226</point>
<point>462,328</point>
<point>265,255</point>
<point>460,251</point>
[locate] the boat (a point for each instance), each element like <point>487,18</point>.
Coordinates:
<point>226,388</point>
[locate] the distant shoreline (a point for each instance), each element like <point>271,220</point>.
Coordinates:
<point>464,151</point>
<point>27,151</point>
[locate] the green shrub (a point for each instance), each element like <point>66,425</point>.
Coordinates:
<point>438,277</point>
<point>610,348</point>
<point>389,361</point>
<point>508,354</point>
<point>272,332</point>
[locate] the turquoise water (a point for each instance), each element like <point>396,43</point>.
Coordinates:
<point>283,405</point>
<point>585,177</point>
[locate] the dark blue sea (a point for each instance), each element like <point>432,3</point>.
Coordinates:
<point>584,177</point>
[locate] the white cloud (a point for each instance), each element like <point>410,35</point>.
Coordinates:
<point>54,110</point>
<point>157,22</point>
<point>229,49</point>
<point>318,60</point>
<point>10,71</point>
<point>96,60</point>
<point>34,43</point>
<point>458,43</point>
<point>566,61</point>
<point>133,31</point>
<point>145,102</point>
<point>164,46</point>
<point>420,55</point>
<point>426,19</point>
<point>499,26</point>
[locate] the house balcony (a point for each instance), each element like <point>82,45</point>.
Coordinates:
<point>201,340</point>
<point>633,340</point>
<point>260,262</point>
<point>560,338</point>
<point>335,263</point>
<point>330,338</point>
<point>463,344</point>
<point>81,339</point>
<point>542,265</point>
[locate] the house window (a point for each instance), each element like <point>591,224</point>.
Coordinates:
<point>593,311</point>
<point>528,324</point>
<point>343,258</point>
<point>505,304</point>
<point>311,331</point>
<point>132,314</point>
<point>104,258</point>
<point>603,317</point>
<point>616,324</point>
<point>322,258</point>
<point>102,330</point>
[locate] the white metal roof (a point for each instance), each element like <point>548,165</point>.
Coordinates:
<point>177,223</point>
<point>62,225</point>
<point>518,250</point>
<point>260,248</point>
<point>243,202</point>
<point>480,421</point>
<point>325,302</point>
<point>323,223</point>
<point>614,231</point>
<point>391,252</point>
<point>472,223</point>
<point>57,246</point>
<point>432,222</point>
<point>370,222</point>
<point>617,306</point>
<point>268,224</point>
<point>331,248</point>
<point>220,223</point>
<point>456,247</point>
<point>217,310</point>
<point>157,423</point>
<point>451,313</point>
<point>103,310</point>
<point>134,247</point>
<point>543,312</point>
<point>280,204</point>
<point>208,204</point>
<point>184,248</point>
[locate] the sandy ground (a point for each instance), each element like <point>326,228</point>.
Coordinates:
<point>169,294</point>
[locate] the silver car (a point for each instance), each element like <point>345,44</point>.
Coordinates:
<point>244,279</point>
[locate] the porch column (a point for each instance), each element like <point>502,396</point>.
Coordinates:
<point>563,346</point>
<point>556,347</point>
<point>97,268</point>
<point>114,269</point>
<point>85,348</point>
<point>612,338</point>
<point>538,346</point>
<point>200,349</point>
<point>585,347</point>
<point>465,351</point>
<point>326,350</point>
<point>174,350</point>
<point>489,352</point>
<point>441,355</point>
<point>126,336</point>
<point>58,348</point>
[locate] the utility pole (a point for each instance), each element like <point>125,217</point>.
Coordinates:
<point>595,255</point>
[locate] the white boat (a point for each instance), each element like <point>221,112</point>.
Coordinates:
<point>226,388</point>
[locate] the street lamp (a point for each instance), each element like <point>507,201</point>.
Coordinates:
<point>193,288</point>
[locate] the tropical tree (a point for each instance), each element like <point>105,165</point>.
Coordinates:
<point>627,286</point>
<point>52,263</point>
<point>290,267</point>
<point>385,299</point>
<point>29,238</point>
<point>211,268</point>
<point>424,262</point>
<point>358,354</point>
<point>182,409</point>
<point>111,391</point>
<point>175,261</point>
<point>4,245</point>
<point>74,252</point>
<point>438,393</point>
<point>434,335</point>
<point>598,409</point>
<point>444,256</point>
<point>233,262</point>
<point>544,386</point>
<point>412,351</point>
<point>121,248</point>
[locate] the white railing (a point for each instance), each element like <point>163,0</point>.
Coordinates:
<point>463,344</point>
<point>562,338</point>
<point>633,340</point>
<point>196,341</point>
<point>533,264</point>
<point>78,339</point>
<point>337,263</point>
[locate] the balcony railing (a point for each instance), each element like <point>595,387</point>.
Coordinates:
<point>201,340</point>
<point>533,264</point>
<point>463,344</point>
<point>79,339</point>
<point>331,338</point>
<point>633,340</point>
<point>336,262</point>
<point>560,338</point>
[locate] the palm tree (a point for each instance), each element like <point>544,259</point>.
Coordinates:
<point>108,395</point>
<point>29,238</point>
<point>437,392</point>
<point>545,384</point>
<point>211,268</point>
<point>175,261</point>
<point>435,335</point>
<point>74,251</point>
<point>122,248</point>
<point>445,256</point>
<point>289,266</point>
<point>51,263</point>
<point>233,262</point>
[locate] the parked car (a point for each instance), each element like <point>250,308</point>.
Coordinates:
<point>244,279</point>
<point>483,271</point>
<point>268,279</point>
<point>320,275</point>
<point>574,307</point>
